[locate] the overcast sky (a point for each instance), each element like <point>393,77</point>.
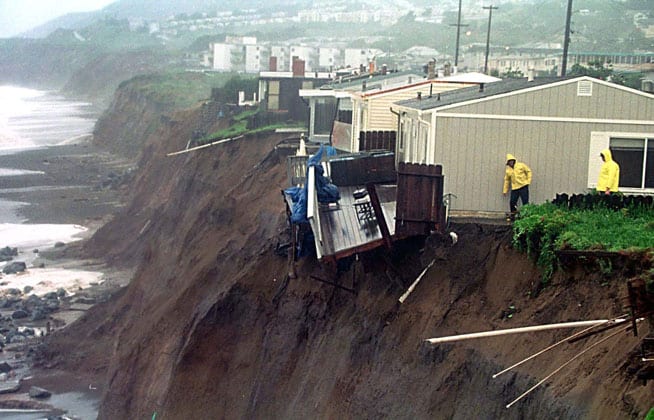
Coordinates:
<point>17,16</point>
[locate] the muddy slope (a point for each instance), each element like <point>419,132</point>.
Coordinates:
<point>209,328</point>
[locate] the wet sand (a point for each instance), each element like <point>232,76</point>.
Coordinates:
<point>73,184</point>
<point>77,184</point>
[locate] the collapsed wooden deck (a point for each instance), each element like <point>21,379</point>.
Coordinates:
<point>403,202</point>
<point>344,233</point>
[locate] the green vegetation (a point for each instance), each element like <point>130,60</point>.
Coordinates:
<point>181,89</point>
<point>541,230</point>
<point>239,126</point>
<point>650,414</point>
<point>604,71</point>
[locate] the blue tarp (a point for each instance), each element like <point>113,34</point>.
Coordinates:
<point>326,191</point>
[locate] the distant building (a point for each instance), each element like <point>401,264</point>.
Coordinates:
<point>357,57</point>
<point>308,54</point>
<point>330,58</point>
<point>279,91</point>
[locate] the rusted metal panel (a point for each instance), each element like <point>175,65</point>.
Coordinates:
<point>419,199</point>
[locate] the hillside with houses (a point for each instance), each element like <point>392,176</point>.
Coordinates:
<point>318,215</point>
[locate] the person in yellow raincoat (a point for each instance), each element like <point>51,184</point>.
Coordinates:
<point>609,176</point>
<point>517,177</point>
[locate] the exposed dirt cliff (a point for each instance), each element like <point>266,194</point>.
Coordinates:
<point>208,328</point>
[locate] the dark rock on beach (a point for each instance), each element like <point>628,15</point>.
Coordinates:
<point>14,267</point>
<point>37,392</point>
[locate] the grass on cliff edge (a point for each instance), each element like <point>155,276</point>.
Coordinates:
<point>239,127</point>
<point>543,229</point>
<point>179,89</point>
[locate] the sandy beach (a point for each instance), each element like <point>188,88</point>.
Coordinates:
<point>75,185</point>
<point>68,184</point>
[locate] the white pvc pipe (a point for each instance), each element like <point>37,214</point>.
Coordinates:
<point>567,363</point>
<point>415,283</point>
<point>585,330</point>
<point>192,149</point>
<point>519,330</point>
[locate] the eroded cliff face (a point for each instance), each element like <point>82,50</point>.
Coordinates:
<point>126,126</point>
<point>209,328</point>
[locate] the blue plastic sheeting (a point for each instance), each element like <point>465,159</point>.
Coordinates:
<point>326,191</point>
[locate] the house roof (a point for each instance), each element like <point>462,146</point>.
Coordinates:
<point>376,81</point>
<point>476,92</point>
<point>470,77</point>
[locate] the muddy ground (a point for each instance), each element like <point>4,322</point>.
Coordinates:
<point>210,327</point>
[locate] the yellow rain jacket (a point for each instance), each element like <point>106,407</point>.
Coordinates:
<point>518,176</point>
<point>609,175</point>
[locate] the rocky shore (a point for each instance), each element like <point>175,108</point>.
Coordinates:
<point>74,184</point>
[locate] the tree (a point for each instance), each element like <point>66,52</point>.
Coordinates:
<point>595,69</point>
<point>513,74</point>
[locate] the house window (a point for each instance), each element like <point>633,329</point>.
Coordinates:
<point>636,159</point>
<point>273,95</point>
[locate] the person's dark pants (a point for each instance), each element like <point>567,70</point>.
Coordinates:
<point>523,194</point>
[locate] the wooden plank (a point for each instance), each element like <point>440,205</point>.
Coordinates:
<point>379,214</point>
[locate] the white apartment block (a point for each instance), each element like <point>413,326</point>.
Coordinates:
<point>256,58</point>
<point>283,56</point>
<point>305,53</point>
<point>225,56</point>
<point>329,58</point>
<point>356,57</point>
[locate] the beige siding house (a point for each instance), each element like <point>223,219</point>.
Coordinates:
<point>366,104</point>
<point>556,126</point>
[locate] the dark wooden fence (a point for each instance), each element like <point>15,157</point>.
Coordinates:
<point>377,140</point>
<point>420,207</point>
<point>363,169</point>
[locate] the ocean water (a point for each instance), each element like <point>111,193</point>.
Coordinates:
<point>30,119</point>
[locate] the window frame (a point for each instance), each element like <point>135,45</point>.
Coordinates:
<point>602,140</point>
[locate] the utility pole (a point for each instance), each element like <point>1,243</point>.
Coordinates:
<point>458,34</point>
<point>566,39</point>
<point>490,17</point>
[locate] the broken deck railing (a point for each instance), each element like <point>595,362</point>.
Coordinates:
<point>313,213</point>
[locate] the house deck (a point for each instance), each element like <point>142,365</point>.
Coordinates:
<point>344,234</point>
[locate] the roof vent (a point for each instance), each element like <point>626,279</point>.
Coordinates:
<point>419,95</point>
<point>481,87</point>
<point>584,88</point>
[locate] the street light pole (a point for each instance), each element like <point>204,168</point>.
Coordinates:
<point>490,17</point>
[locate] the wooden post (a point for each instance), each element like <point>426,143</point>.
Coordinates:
<point>379,214</point>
